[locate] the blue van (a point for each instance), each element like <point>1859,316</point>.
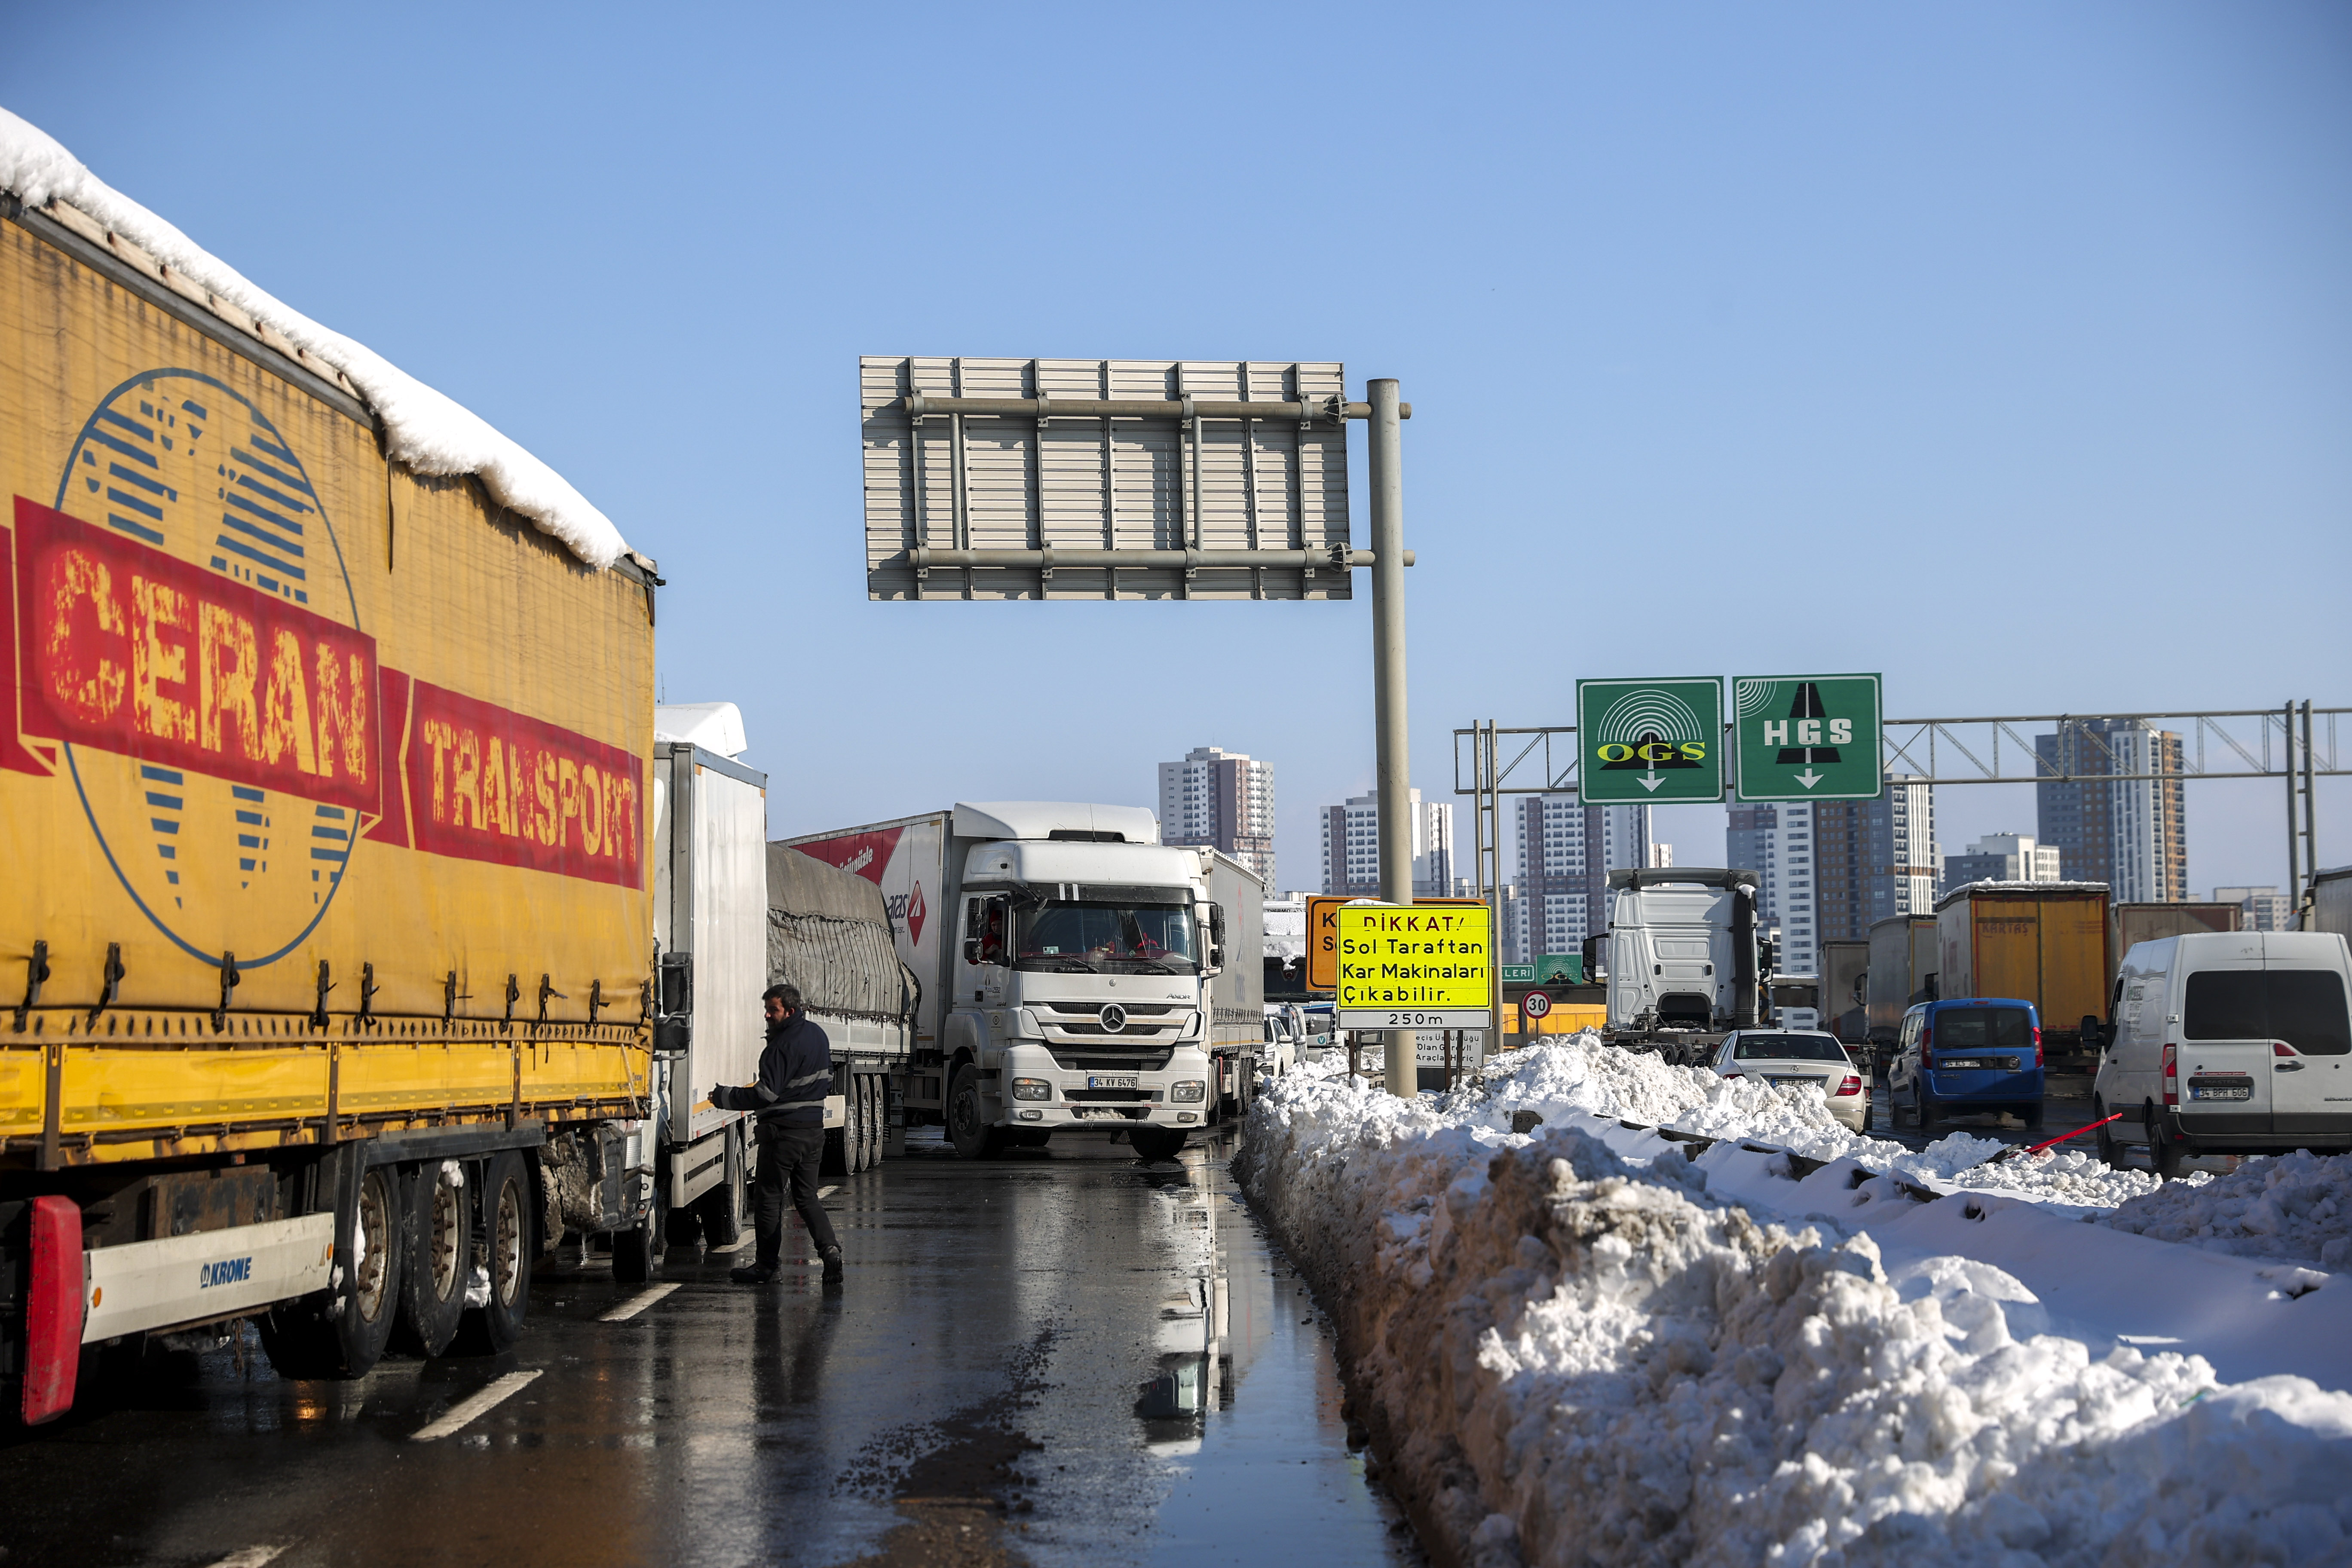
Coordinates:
<point>1981,1054</point>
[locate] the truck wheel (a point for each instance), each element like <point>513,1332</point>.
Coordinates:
<point>440,1256</point>
<point>344,1335</point>
<point>1156,1143</point>
<point>637,1253</point>
<point>877,1118</point>
<point>861,1107</point>
<point>972,1137</point>
<point>722,1209</point>
<point>503,1253</point>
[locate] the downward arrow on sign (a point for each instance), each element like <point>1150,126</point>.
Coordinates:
<point>1809,778</point>
<point>1650,781</point>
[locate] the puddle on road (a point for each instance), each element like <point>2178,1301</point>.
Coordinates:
<point>1234,1403</point>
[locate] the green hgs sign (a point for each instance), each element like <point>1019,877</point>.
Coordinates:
<point>1650,740</point>
<point>1806,736</point>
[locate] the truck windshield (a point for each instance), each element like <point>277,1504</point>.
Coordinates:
<point>1106,939</point>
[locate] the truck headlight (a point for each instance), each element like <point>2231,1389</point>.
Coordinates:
<point>1189,1091</point>
<point>1032,1088</point>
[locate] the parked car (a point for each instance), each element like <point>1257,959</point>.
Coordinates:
<point>1980,1054</point>
<point>2232,1042</point>
<point>1800,1056</point>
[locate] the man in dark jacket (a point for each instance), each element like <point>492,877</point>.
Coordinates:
<point>795,1074</point>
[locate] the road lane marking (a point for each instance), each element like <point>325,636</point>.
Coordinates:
<point>635,1304</point>
<point>826,1192</point>
<point>251,1557</point>
<point>467,1410</point>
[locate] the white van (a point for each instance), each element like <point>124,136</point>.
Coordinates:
<point>2228,1042</point>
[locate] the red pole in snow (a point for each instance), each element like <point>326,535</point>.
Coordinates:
<point>2021,1153</point>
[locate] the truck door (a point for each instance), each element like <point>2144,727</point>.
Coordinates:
<point>987,933</point>
<point>2310,1028</point>
<point>2222,1060</point>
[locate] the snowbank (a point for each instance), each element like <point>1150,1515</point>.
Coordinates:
<point>2295,1207</point>
<point>424,429</point>
<point>1577,1356</point>
<point>1576,1072</point>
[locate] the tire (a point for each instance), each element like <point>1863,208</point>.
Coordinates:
<point>440,1254</point>
<point>1928,1110</point>
<point>840,1157</point>
<point>973,1140</point>
<point>637,1254</point>
<point>344,1335</point>
<point>724,1208</point>
<point>1156,1143</point>
<point>876,1119</point>
<point>861,1109</point>
<point>2110,1152</point>
<point>504,1248</point>
<point>2031,1116</point>
<point>2164,1153</point>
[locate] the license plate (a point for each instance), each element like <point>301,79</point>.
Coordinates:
<point>1112,1081</point>
<point>2243,1093</point>
<point>1786,1082</point>
<point>1980,1064</point>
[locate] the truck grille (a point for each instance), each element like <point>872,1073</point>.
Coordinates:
<point>1088,1009</point>
<point>1149,1061</point>
<point>1109,1096</point>
<point>1063,1026</point>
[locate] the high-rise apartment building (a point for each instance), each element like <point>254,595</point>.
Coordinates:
<point>1223,800</point>
<point>1566,850</point>
<point>2266,908</point>
<point>1872,858</point>
<point>1351,847</point>
<point>2129,834</point>
<point>2003,857</point>
<point>1776,842</point>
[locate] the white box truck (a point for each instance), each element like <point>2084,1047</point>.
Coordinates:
<point>1684,960</point>
<point>1078,977</point>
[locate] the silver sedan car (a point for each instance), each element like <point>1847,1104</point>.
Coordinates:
<point>1803,1058</point>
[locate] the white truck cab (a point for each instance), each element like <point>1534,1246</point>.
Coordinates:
<point>2237,1042</point>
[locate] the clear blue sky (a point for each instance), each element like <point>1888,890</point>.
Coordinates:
<point>2005,348</point>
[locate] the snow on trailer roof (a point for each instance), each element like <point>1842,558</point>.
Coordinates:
<point>1965,888</point>
<point>426,430</point>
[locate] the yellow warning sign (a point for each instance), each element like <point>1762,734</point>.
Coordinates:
<point>1428,967</point>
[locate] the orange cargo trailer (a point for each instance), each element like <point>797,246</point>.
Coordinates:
<point>2044,943</point>
<point>323,795</point>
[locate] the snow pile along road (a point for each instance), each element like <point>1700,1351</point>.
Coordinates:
<point>1578,1073</point>
<point>2294,1206</point>
<point>1571,1356</point>
<point>426,430</point>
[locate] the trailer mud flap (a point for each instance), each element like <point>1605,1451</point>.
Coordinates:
<point>53,1310</point>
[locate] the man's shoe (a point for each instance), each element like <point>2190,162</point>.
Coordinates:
<point>832,1256</point>
<point>751,1274</point>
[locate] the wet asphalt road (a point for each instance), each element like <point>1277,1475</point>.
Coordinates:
<point>1066,1357</point>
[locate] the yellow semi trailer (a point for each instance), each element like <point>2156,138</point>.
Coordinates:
<point>327,979</point>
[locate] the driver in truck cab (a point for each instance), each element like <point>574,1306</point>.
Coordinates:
<point>788,1099</point>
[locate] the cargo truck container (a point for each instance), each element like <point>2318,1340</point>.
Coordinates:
<point>2134,924</point>
<point>829,934</point>
<point>1078,978</point>
<point>2329,907</point>
<point>1901,975</point>
<point>2043,942</point>
<point>323,795</point>
<point>1845,1001</point>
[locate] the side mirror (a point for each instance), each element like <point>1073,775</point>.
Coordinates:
<point>1216,945</point>
<point>2094,1033</point>
<point>677,984</point>
<point>972,950</point>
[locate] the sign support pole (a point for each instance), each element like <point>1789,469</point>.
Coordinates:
<point>1392,770</point>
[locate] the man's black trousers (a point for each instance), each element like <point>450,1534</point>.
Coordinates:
<point>788,1156</point>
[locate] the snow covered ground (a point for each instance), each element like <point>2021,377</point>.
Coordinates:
<point>1585,1345</point>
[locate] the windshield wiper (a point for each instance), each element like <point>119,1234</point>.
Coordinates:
<point>1148,966</point>
<point>1055,963</point>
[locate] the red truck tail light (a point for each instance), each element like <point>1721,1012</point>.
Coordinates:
<point>2173,1075</point>
<point>1927,1046</point>
<point>2037,1045</point>
<point>53,1310</point>
<point>1853,1085</point>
